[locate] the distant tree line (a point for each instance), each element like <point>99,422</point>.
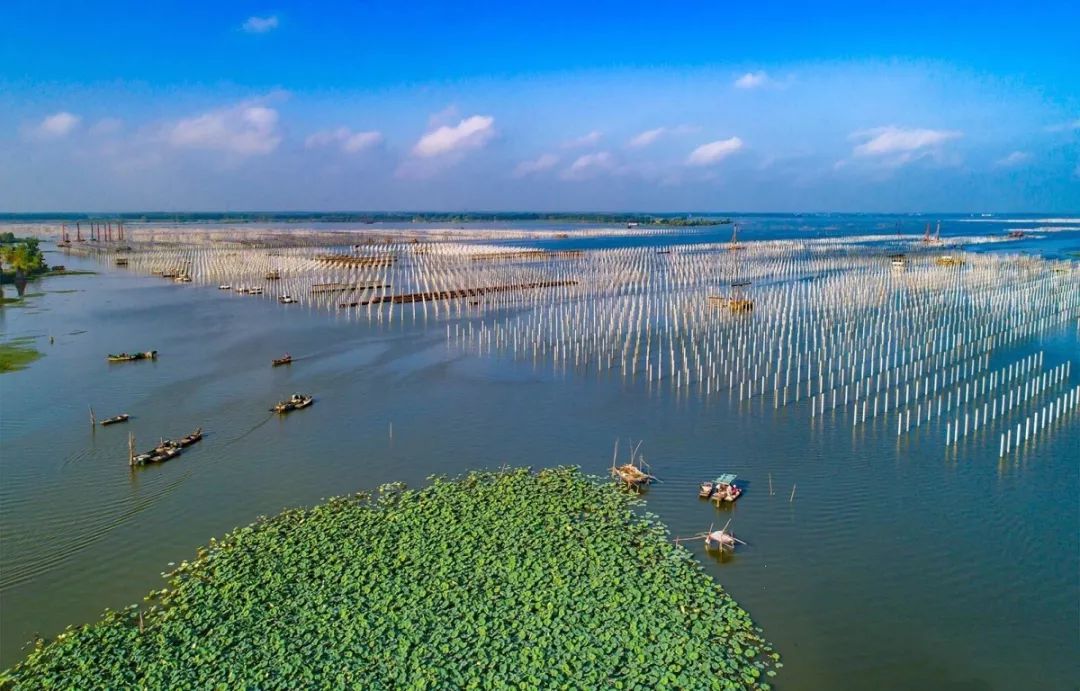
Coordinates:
<point>680,220</point>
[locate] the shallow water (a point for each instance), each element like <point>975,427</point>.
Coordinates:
<point>900,563</point>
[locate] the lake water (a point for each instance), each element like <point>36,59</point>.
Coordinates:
<point>901,563</point>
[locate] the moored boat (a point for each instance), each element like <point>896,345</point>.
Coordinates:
<point>123,417</point>
<point>224,286</point>
<point>294,402</point>
<point>129,357</point>
<point>286,299</point>
<point>726,489</point>
<point>706,489</point>
<point>632,475</point>
<point>190,439</point>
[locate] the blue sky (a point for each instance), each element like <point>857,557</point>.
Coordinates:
<point>557,106</point>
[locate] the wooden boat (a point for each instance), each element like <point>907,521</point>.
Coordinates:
<point>273,275</point>
<point>286,299</point>
<point>123,417</point>
<point>255,291</point>
<point>159,454</point>
<point>224,286</point>
<point>121,261</point>
<point>949,260</point>
<point>897,260</point>
<point>294,402</point>
<point>286,359</point>
<point>190,439</point>
<point>129,357</point>
<point>632,475</point>
<point>707,489</point>
<point>183,278</point>
<point>726,489</point>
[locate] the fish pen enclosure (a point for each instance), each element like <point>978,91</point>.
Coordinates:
<point>830,323</point>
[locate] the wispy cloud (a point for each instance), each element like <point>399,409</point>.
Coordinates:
<point>714,152</point>
<point>1013,160</point>
<point>246,129</point>
<point>885,141</point>
<point>260,25</point>
<point>344,138</point>
<point>589,165</point>
<point>591,139</point>
<point>539,165</point>
<point>55,126</point>
<point>752,80</point>
<point>471,133</point>
<point>648,137</point>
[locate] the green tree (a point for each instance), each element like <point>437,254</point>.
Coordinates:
<point>24,259</point>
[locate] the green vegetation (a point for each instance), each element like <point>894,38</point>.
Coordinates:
<point>494,580</point>
<point>17,354</point>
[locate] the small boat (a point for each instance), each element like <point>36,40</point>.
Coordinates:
<point>294,402</point>
<point>183,278</point>
<point>190,439</point>
<point>285,360</point>
<point>286,299</point>
<point>272,275</point>
<point>240,289</point>
<point>129,357</point>
<point>726,489</point>
<point>164,452</point>
<point>224,286</point>
<point>121,261</point>
<point>123,417</point>
<point>897,260</point>
<point>255,291</point>
<point>632,475</point>
<point>707,489</point>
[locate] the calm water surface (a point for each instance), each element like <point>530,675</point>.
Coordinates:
<point>899,564</point>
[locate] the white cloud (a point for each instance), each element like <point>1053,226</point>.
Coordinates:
<point>246,129</point>
<point>1013,160</point>
<point>56,126</point>
<point>643,139</point>
<point>591,139</point>
<point>348,141</point>
<point>471,133</point>
<point>544,162</point>
<point>752,80</point>
<point>714,152</point>
<point>260,25</point>
<point>588,165</point>
<point>886,141</point>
